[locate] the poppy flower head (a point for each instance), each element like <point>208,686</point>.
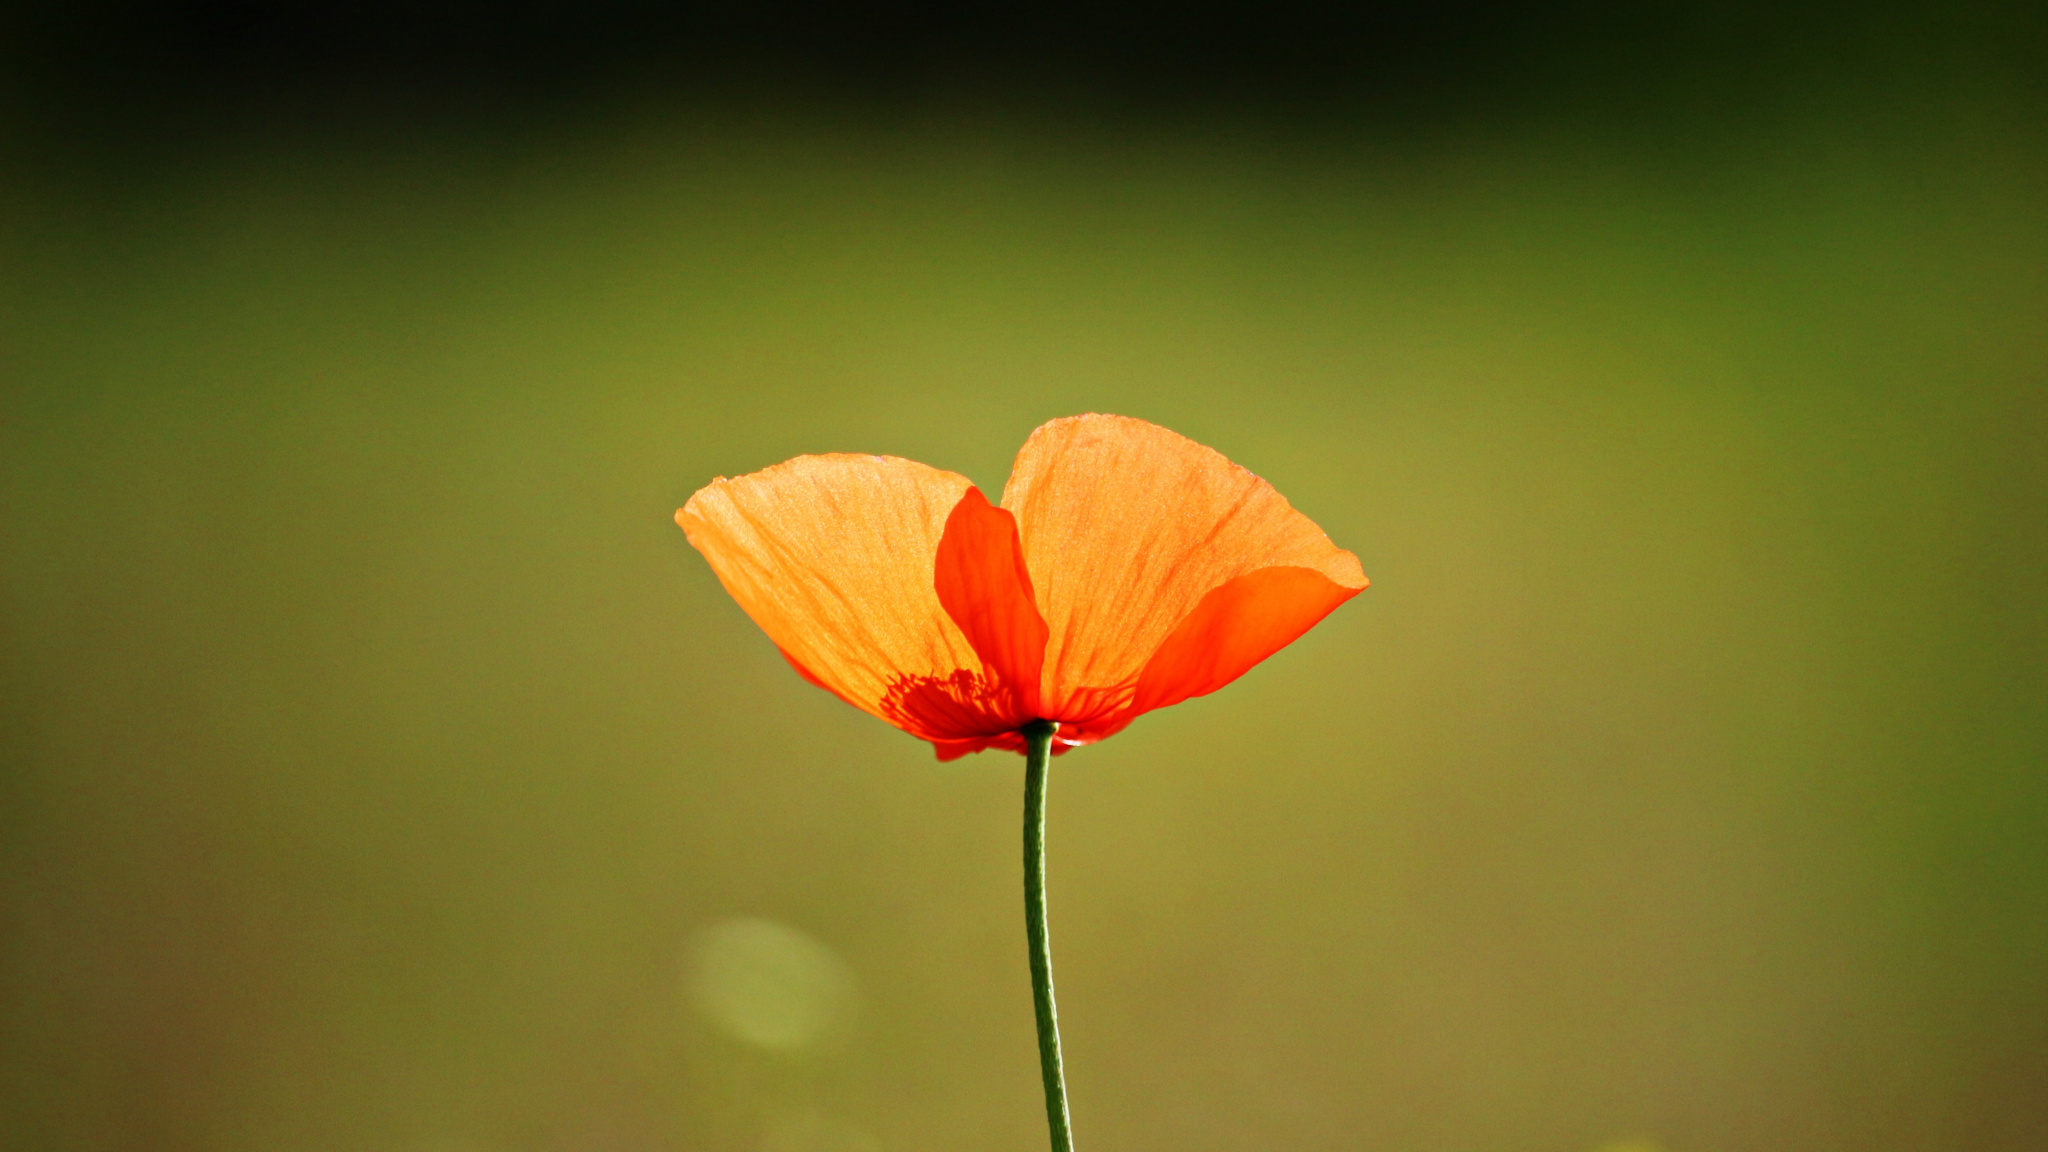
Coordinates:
<point>1127,569</point>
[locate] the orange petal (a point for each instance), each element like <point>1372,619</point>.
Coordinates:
<point>833,557</point>
<point>809,676</point>
<point>1234,627</point>
<point>1126,528</point>
<point>982,584</point>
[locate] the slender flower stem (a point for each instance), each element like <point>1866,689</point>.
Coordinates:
<point>1037,758</point>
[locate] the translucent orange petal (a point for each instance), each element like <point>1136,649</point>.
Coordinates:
<point>982,584</point>
<point>1127,527</point>
<point>833,557</point>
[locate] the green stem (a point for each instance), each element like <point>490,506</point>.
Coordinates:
<point>1037,757</point>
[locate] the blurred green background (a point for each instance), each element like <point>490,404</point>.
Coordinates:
<point>383,771</point>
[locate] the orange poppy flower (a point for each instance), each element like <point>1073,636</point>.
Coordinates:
<point>1128,568</point>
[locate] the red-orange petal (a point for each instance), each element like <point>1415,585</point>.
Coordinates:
<point>1127,528</point>
<point>1012,741</point>
<point>982,584</point>
<point>833,557</point>
<point>1233,628</point>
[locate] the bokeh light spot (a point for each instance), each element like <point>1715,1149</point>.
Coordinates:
<point>769,985</point>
